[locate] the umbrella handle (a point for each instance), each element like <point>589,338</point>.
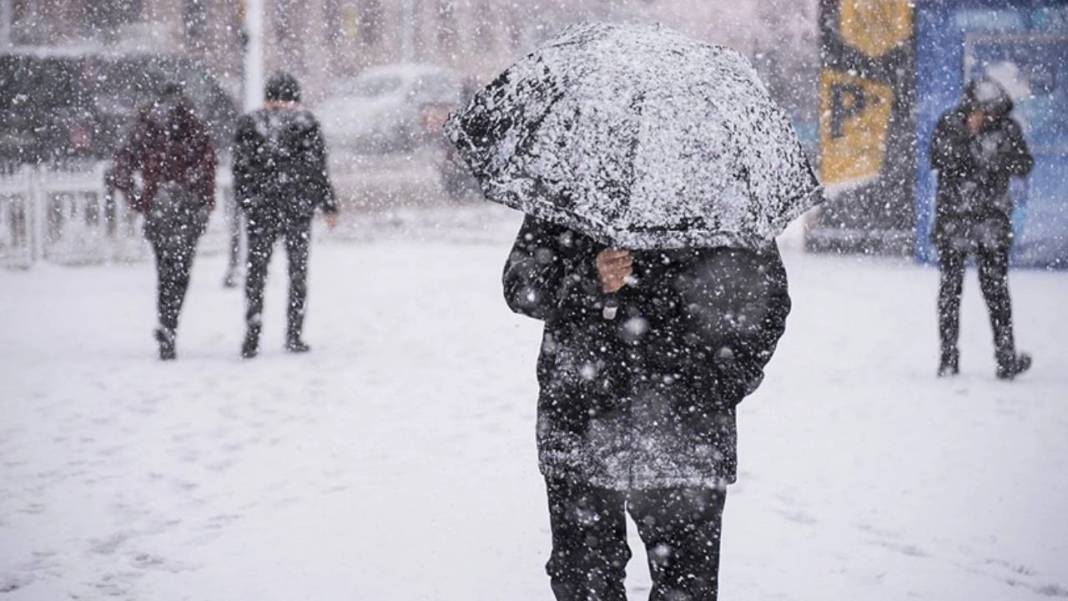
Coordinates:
<point>610,308</point>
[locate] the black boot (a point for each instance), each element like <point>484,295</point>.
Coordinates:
<point>165,338</point>
<point>1014,366</point>
<point>251,347</point>
<point>295,345</point>
<point>231,279</point>
<point>950,364</point>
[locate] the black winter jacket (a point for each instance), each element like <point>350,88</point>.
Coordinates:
<point>973,204</point>
<point>646,400</point>
<point>279,164</point>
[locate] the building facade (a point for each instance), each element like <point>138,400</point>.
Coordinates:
<point>319,40</point>
<point>322,40</point>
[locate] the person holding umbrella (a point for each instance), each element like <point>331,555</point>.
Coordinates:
<point>171,149</point>
<point>654,172</point>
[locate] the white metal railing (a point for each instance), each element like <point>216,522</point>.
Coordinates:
<point>64,213</point>
<point>17,218</point>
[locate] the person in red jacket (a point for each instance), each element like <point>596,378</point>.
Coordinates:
<point>172,150</point>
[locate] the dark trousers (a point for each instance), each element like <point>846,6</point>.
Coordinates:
<point>994,282</point>
<point>680,528</point>
<point>173,225</point>
<point>172,269</point>
<point>263,232</point>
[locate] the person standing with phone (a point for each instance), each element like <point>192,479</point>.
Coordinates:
<point>976,148</point>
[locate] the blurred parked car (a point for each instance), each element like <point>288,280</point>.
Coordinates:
<point>456,178</point>
<point>390,108</point>
<point>55,106</point>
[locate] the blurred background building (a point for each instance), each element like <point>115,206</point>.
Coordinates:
<point>321,40</point>
<point>381,74</point>
<point>863,81</point>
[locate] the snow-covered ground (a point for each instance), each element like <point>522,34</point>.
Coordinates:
<point>396,461</point>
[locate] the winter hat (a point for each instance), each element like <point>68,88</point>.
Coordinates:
<point>987,95</point>
<point>171,89</point>
<point>282,87</point>
<point>170,107</point>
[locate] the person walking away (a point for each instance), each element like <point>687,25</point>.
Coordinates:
<point>976,148</point>
<point>636,410</point>
<point>280,179</point>
<point>655,173</point>
<point>172,150</point>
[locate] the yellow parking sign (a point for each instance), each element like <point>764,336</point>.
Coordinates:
<point>875,27</point>
<point>854,122</point>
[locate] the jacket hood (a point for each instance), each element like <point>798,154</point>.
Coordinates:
<point>282,87</point>
<point>988,96</point>
<point>172,116</point>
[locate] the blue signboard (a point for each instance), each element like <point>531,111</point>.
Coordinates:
<point>1024,47</point>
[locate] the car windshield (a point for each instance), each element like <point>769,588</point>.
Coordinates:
<point>377,85</point>
<point>438,87</point>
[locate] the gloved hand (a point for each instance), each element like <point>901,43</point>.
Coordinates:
<point>986,150</point>
<point>136,201</point>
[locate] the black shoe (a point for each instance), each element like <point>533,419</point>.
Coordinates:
<point>165,338</point>
<point>296,345</point>
<point>949,365</point>
<point>1008,370</point>
<point>251,347</point>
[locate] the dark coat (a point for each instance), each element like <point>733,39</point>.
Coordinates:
<point>973,203</point>
<point>646,400</point>
<point>280,164</point>
<point>167,143</point>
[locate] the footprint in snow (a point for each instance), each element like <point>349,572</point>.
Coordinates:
<point>799,517</point>
<point>151,561</point>
<point>116,584</point>
<point>222,465</point>
<point>880,532</point>
<point>221,520</point>
<point>1018,570</point>
<point>1053,590</point>
<point>33,508</point>
<point>1015,568</point>
<point>10,583</point>
<point>109,545</point>
<point>902,548</point>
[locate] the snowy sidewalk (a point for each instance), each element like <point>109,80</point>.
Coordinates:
<point>396,461</point>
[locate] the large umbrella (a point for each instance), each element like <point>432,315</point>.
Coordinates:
<point>639,137</point>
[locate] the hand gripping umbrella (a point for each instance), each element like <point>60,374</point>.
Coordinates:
<point>638,137</point>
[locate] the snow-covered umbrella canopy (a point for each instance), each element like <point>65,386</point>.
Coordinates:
<point>639,137</point>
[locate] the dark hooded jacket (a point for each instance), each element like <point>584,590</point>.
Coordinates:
<point>646,400</point>
<point>167,143</point>
<point>279,164</point>
<point>973,203</point>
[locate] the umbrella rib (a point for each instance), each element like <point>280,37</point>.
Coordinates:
<point>525,142</point>
<point>638,105</point>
